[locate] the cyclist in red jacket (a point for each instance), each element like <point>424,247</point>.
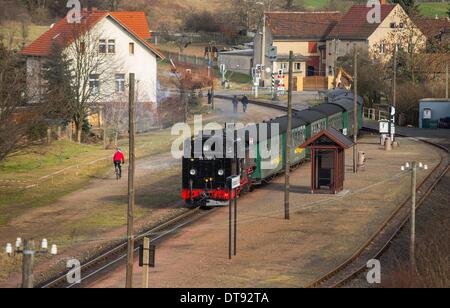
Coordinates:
<point>118,160</point>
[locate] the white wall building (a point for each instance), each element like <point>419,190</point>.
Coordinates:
<point>115,43</point>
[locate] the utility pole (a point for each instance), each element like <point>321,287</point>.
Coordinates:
<point>287,166</point>
<point>394,95</point>
<point>263,48</point>
<point>28,252</point>
<point>28,264</point>
<point>131,193</point>
<point>209,59</point>
<point>335,63</point>
<point>355,112</point>
<point>446,80</point>
<point>413,167</point>
<point>412,248</point>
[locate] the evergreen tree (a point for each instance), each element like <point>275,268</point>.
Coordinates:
<point>59,92</point>
<point>410,6</point>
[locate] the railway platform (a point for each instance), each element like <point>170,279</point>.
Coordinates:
<point>324,230</point>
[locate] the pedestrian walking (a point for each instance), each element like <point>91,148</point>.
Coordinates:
<point>235,104</point>
<point>244,103</point>
<point>209,97</point>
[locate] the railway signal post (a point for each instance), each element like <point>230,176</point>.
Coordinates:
<point>146,260</point>
<point>235,195</point>
<point>233,183</point>
<point>131,193</point>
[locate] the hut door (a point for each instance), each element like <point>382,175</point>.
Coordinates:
<point>325,169</point>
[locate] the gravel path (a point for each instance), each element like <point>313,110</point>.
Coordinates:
<point>53,220</point>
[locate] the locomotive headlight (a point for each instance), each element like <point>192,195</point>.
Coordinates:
<point>206,148</point>
<point>193,172</point>
<point>221,172</point>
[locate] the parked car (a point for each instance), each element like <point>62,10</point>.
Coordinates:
<point>444,122</point>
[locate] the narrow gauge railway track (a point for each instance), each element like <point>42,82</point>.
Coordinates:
<point>341,275</point>
<point>110,257</point>
<point>380,241</point>
<point>377,244</point>
<point>113,255</point>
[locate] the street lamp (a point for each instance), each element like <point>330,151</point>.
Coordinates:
<point>26,248</point>
<point>413,167</point>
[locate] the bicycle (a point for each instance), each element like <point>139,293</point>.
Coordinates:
<point>118,172</point>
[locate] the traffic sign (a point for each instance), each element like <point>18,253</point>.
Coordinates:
<point>384,127</point>
<point>234,181</point>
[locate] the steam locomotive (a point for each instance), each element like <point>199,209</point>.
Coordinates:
<point>213,156</point>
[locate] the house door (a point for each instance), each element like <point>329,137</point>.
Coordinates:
<point>324,169</point>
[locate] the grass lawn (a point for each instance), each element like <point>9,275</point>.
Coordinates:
<point>433,9</point>
<point>314,4</point>
<point>110,216</point>
<point>14,30</point>
<point>30,166</point>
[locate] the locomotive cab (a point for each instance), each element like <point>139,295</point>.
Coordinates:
<point>205,172</point>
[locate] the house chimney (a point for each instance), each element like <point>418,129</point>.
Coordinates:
<point>382,1</point>
<point>85,10</point>
<point>94,9</point>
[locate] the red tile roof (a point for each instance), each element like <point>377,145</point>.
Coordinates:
<point>302,25</point>
<point>433,27</point>
<point>136,21</point>
<point>354,24</point>
<point>64,33</point>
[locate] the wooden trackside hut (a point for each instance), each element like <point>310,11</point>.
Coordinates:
<point>328,160</point>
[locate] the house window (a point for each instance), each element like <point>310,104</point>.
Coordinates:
<point>82,47</point>
<point>312,47</point>
<point>111,46</point>
<point>298,66</point>
<point>284,66</point>
<point>102,46</point>
<point>382,48</point>
<point>94,83</point>
<point>131,48</point>
<point>120,83</point>
<point>330,71</point>
<point>393,25</point>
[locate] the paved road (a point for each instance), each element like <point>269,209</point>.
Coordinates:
<point>301,100</point>
<point>439,136</point>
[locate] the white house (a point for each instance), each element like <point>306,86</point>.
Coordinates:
<point>114,44</point>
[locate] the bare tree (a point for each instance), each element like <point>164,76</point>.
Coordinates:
<point>15,119</point>
<point>115,119</point>
<point>408,41</point>
<point>93,72</point>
